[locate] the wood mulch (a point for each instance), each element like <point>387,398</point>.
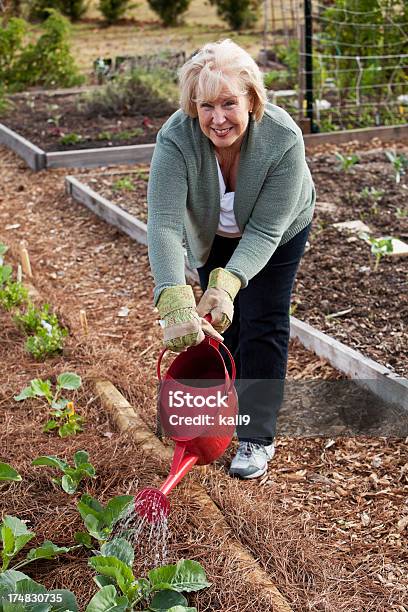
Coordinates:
<point>329,519</point>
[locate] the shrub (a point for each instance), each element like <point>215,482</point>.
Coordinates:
<point>169,11</point>
<point>74,9</point>
<point>49,61</point>
<point>11,39</point>
<point>113,10</point>
<point>238,13</point>
<point>139,92</point>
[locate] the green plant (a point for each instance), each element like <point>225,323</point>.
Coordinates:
<point>11,38</point>
<point>14,536</point>
<point>161,591</point>
<point>128,134</point>
<point>169,11</point>
<point>123,184</point>
<point>401,213</point>
<point>70,139</point>
<point>113,10</point>
<point>72,476</point>
<point>65,419</point>
<point>399,163</point>
<point>48,340</point>
<point>238,14</point>
<point>379,246</point>
<point>13,294</point>
<point>346,161</point>
<point>104,135</point>
<point>34,318</point>
<point>49,61</point>
<point>155,89</point>
<point>373,195</point>
<point>100,520</point>
<point>276,78</point>
<point>8,473</point>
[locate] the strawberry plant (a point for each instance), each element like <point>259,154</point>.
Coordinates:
<point>8,473</point>
<point>65,419</point>
<point>72,476</point>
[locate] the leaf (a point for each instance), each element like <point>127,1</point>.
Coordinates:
<point>107,600</point>
<point>186,576</point>
<point>115,508</point>
<point>47,550</point>
<point>121,549</point>
<point>51,461</point>
<point>8,473</point>
<point>163,600</point>
<point>50,425</point>
<point>181,609</point>
<point>68,429</point>
<point>81,537</point>
<point>15,536</point>
<point>60,404</point>
<point>24,394</point>
<point>102,581</point>
<point>69,381</point>
<point>96,527</point>
<point>68,484</point>
<point>114,568</point>
<point>3,249</point>
<point>41,388</point>
<point>68,603</point>
<point>80,458</point>
<point>89,505</point>
<point>9,579</point>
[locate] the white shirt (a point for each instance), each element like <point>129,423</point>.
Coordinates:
<point>227,225</point>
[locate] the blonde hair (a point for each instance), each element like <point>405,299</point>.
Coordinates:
<point>214,67</point>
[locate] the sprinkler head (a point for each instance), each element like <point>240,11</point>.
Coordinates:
<point>152,504</point>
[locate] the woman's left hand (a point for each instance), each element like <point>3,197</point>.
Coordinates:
<point>218,299</point>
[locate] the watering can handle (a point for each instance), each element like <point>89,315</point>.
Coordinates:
<point>216,345</point>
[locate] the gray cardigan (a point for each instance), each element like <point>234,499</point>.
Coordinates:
<point>274,197</point>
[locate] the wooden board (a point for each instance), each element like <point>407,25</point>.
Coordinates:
<point>106,156</point>
<point>392,132</point>
<point>34,157</point>
<point>365,372</point>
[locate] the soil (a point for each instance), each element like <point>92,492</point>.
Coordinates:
<point>44,120</point>
<point>338,289</point>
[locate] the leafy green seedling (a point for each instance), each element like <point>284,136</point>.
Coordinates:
<point>401,213</point>
<point>399,163</point>
<point>34,318</point>
<point>70,139</point>
<point>128,134</point>
<point>372,195</point>
<point>161,590</point>
<point>14,536</point>
<point>346,161</point>
<point>15,586</point>
<point>379,247</point>
<point>104,135</point>
<point>100,520</point>
<point>48,340</point>
<point>13,294</point>
<point>65,419</point>
<point>72,476</point>
<point>8,473</point>
<point>123,184</point>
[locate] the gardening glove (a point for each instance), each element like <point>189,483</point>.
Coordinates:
<point>218,299</point>
<point>182,325</point>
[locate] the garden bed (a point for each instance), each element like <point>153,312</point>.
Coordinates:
<point>57,123</point>
<point>328,520</point>
<point>339,291</point>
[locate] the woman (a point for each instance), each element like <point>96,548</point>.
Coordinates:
<point>229,177</point>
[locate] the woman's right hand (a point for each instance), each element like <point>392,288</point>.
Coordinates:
<point>183,327</point>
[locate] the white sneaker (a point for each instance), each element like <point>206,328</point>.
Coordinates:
<point>251,460</point>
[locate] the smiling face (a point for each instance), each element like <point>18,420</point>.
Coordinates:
<point>225,120</point>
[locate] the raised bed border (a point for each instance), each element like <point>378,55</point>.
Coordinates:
<point>37,159</point>
<point>385,384</point>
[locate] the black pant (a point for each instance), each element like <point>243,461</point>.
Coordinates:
<point>259,334</point>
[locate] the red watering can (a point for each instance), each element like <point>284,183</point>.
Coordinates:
<point>198,405</point>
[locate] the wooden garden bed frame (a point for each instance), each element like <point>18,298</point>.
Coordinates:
<point>37,159</point>
<point>385,384</point>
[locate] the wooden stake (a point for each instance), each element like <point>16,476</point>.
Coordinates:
<point>84,321</point>
<point>25,261</point>
<point>19,273</point>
